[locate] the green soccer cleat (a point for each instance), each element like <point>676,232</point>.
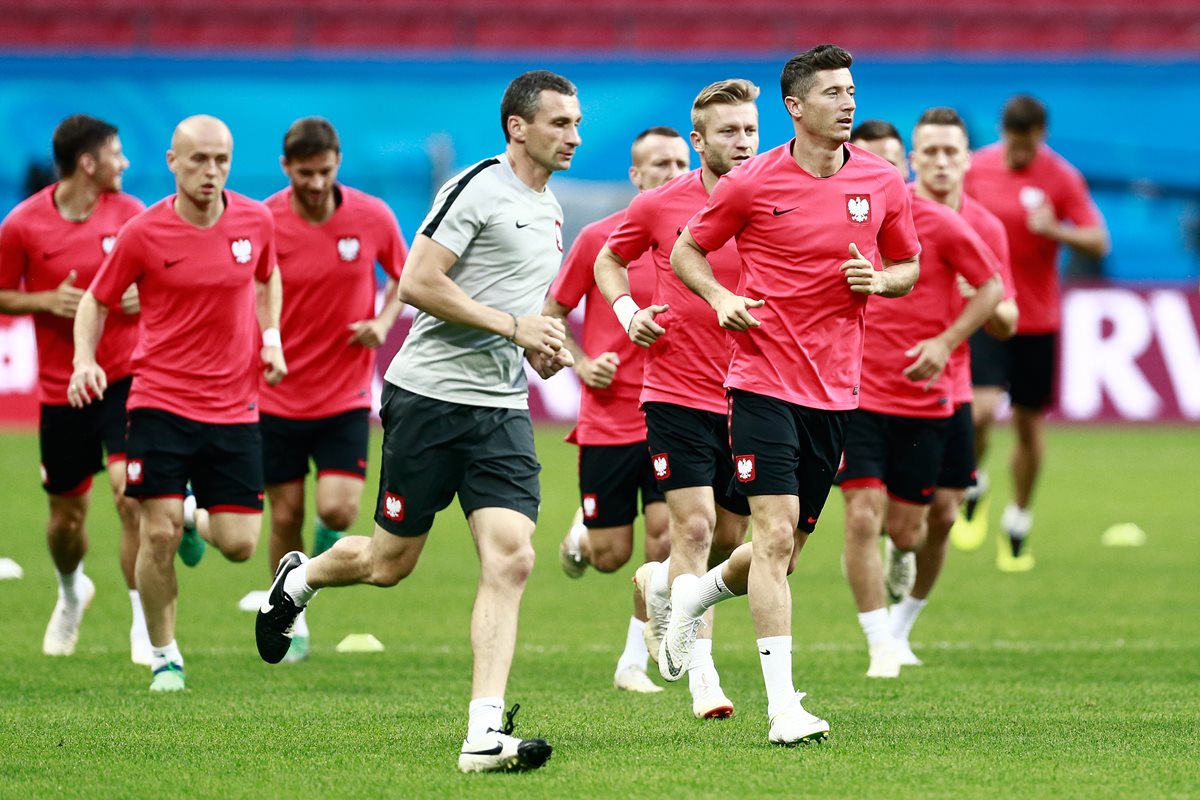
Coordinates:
<point>297,650</point>
<point>324,539</point>
<point>191,546</point>
<point>168,679</point>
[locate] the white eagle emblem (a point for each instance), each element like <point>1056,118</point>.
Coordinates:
<point>242,250</point>
<point>393,506</point>
<point>133,471</point>
<point>745,468</point>
<point>859,208</point>
<point>662,467</point>
<point>106,244</point>
<point>589,506</point>
<point>348,248</point>
<point>1031,197</point>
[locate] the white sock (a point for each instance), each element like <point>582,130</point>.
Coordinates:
<point>875,626</point>
<point>712,589</point>
<point>66,583</point>
<point>485,713</point>
<point>701,665</point>
<point>295,586</point>
<point>904,615</point>
<point>635,654</point>
<point>775,656</point>
<point>139,615</point>
<point>658,579</point>
<point>981,486</point>
<point>189,511</point>
<point>575,537</point>
<point>695,610</point>
<point>301,625</point>
<point>167,654</point>
<point>1017,522</point>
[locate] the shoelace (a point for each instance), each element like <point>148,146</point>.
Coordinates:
<point>509,726</point>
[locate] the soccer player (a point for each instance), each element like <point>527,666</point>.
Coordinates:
<point>683,395</point>
<point>797,212</point>
<point>329,237</point>
<point>203,260</point>
<point>611,432</point>
<point>940,159</point>
<point>455,403</point>
<point>50,248</point>
<point>1043,202</point>
<point>896,438</point>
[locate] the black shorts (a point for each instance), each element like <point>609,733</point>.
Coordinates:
<point>223,462</point>
<point>900,454</point>
<point>990,360</point>
<point>336,444</point>
<point>783,448</point>
<point>433,450</point>
<point>74,441</point>
<point>690,448</point>
<point>1034,363</point>
<point>610,478</point>
<point>958,460</point>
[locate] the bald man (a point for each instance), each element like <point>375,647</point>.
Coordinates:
<point>203,260</point>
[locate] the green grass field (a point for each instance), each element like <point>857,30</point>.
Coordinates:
<point>1079,679</point>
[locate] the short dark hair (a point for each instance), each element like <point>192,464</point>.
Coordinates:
<point>1024,114</point>
<point>523,96</point>
<point>76,135</point>
<point>799,73</point>
<point>658,130</point>
<point>942,115</point>
<point>872,130</point>
<point>310,136</point>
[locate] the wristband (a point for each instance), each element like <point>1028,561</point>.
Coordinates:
<point>625,307</point>
<point>513,338</point>
<point>270,338</point>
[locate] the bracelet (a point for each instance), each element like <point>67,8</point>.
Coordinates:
<point>625,307</point>
<point>516,325</point>
<point>270,338</point>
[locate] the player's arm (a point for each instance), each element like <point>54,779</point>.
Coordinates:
<point>268,305</point>
<point>88,379</point>
<point>1090,240</point>
<point>691,266</point>
<point>426,285</point>
<point>373,332</point>
<point>596,373</point>
<point>931,355</point>
<point>612,278</point>
<point>896,279</point>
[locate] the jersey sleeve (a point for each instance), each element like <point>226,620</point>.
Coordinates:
<point>724,216</point>
<point>997,241</point>
<point>13,260</point>
<point>267,258</point>
<point>897,238</point>
<point>578,273</point>
<point>969,255</point>
<point>459,213</point>
<point>634,236</point>
<point>121,267</point>
<point>392,249</point>
<point>1076,203</point>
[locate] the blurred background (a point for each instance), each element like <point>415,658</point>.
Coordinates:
<point>414,91</point>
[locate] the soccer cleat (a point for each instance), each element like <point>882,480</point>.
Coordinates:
<point>675,650</point>
<point>297,650</point>
<point>324,539</point>
<point>709,700</point>
<point>277,616</point>
<point>570,557</point>
<point>140,650</point>
<point>905,654</point>
<point>500,751</point>
<point>885,660</point>
<point>63,631</point>
<point>1007,562</point>
<point>901,572</point>
<point>191,546</point>
<point>633,678</point>
<point>168,679</point>
<point>968,534</point>
<point>794,726</point>
<point>658,609</point>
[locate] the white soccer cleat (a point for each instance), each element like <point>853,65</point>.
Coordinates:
<point>140,649</point>
<point>658,609</point>
<point>709,700</point>
<point>885,660</point>
<point>675,651</point>
<point>794,726</point>
<point>63,631</point>
<point>900,573</point>
<point>905,654</point>
<point>633,678</point>
<point>570,556</point>
<point>500,751</point>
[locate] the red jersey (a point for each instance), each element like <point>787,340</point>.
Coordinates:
<point>794,232</point>
<point>949,248</point>
<point>991,230</point>
<point>40,248</point>
<point>198,355</point>
<point>686,366</point>
<point>328,275</point>
<point>612,415</point>
<point>1011,196</point>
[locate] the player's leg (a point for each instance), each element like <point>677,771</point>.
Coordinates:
<point>130,518</point>
<point>161,530</point>
<point>1035,363</point>
<point>340,453</point>
<point>991,364</point>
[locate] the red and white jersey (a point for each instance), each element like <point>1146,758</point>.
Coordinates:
<point>949,248</point>
<point>686,366</point>
<point>1011,196</point>
<point>793,233</point>
<point>39,249</point>
<point>611,415</point>
<point>991,230</point>
<point>328,275</point>
<point>198,354</point>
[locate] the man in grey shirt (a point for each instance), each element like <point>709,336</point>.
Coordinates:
<point>455,403</point>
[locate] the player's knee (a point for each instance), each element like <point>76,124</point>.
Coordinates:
<point>338,517</point>
<point>609,556</point>
<point>696,532</point>
<point>775,540</point>
<point>67,520</point>
<point>863,520</point>
<point>388,572</point>
<point>285,517</point>
<point>158,540</point>
<point>511,567</point>
<point>941,518</point>
<point>909,537</point>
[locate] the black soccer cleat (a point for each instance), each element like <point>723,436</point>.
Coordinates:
<point>273,624</point>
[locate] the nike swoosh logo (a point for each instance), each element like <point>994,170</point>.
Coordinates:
<point>170,262</point>
<point>765,652</point>
<point>780,212</point>
<point>49,254</point>
<point>671,668</point>
<point>526,225</point>
<point>679,232</point>
<point>812,520</point>
<point>495,751</point>
<point>267,608</point>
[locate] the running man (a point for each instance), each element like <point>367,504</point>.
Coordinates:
<point>611,432</point>
<point>455,404</point>
<point>51,246</point>
<point>329,237</point>
<point>683,395</point>
<point>203,261</point>
<point>811,218</point>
